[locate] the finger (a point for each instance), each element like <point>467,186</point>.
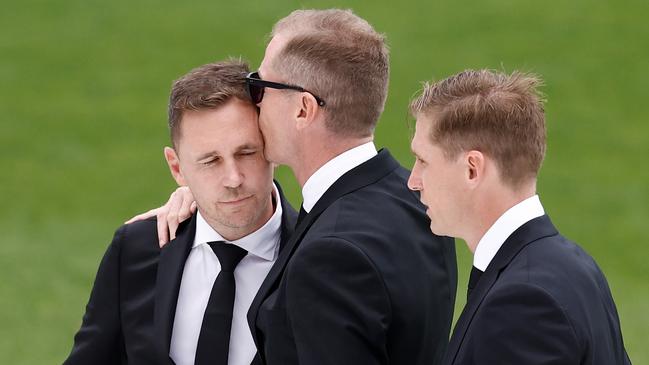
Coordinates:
<point>173,205</point>
<point>173,227</point>
<point>163,233</point>
<point>185,209</point>
<point>194,207</point>
<point>142,216</point>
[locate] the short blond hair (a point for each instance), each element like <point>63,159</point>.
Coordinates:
<point>341,58</point>
<point>499,114</point>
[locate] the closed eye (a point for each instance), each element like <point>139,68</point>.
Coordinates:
<point>247,152</point>
<point>210,161</point>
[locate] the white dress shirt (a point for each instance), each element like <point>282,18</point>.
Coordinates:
<point>504,226</point>
<point>201,269</point>
<point>327,174</point>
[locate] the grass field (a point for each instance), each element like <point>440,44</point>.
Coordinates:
<point>83,91</point>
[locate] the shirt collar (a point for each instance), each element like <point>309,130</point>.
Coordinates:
<point>262,242</point>
<point>504,226</point>
<point>331,171</point>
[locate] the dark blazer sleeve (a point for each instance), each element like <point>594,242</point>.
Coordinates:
<point>99,340</point>
<point>526,325</point>
<point>337,305</point>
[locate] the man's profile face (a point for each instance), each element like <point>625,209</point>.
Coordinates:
<point>220,153</point>
<point>275,109</point>
<point>438,179</point>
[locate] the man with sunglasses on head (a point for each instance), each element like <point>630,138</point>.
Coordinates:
<point>361,281</point>
<point>187,303</point>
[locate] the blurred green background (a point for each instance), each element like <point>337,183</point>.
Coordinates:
<point>83,92</point>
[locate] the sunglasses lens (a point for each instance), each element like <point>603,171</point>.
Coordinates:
<point>256,93</point>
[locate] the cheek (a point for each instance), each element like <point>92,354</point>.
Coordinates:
<point>258,170</point>
<point>266,132</point>
<point>205,180</point>
<point>435,188</point>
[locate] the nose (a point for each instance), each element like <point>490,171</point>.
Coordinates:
<point>233,177</point>
<point>414,181</point>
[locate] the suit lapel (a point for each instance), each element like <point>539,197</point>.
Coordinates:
<point>170,272</point>
<point>365,174</point>
<point>531,231</point>
<point>289,217</point>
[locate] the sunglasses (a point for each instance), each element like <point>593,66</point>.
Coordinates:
<point>256,87</point>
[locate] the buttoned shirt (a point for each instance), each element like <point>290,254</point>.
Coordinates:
<point>201,269</point>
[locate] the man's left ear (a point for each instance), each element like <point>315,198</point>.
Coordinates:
<point>475,166</point>
<point>308,110</point>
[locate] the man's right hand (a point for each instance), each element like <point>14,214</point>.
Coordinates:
<point>180,206</point>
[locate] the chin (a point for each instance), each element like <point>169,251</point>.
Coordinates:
<point>236,222</point>
<point>437,230</point>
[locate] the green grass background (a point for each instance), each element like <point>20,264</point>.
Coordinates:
<point>83,91</point>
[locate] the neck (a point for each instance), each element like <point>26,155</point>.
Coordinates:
<point>492,206</point>
<point>316,154</point>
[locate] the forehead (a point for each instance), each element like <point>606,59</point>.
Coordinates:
<point>422,137</point>
<point>224,127</point>
<point>272,49</point>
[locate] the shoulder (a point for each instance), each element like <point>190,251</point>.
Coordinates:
<point>137,238</point>
<point>376,217</point>
<point>555,264</point>
<point>554,273</point>
<point>387,201</point>
<point>522,304</point>
<point>384,220</point>
<point>525,295</point>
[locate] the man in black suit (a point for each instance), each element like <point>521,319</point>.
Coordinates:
<point>361,281</point>
<point>534,297</point>
<point>151,306</point>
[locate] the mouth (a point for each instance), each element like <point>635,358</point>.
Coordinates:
<point>236,201</point>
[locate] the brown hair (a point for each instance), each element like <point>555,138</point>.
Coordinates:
<point>206,87</point>
<point>339,57</point>
<point>498,114</point>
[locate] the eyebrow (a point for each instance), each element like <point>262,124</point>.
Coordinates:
<point>247,146</point>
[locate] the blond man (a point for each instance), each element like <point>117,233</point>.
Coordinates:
<point>361,281</point>
<point>534,297</point>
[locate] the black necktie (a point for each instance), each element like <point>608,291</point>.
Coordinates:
<point>473,280</point>
<point>301,216</point>
<point>214,339</point>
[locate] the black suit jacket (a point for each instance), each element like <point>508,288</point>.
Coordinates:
<point>130,314</point>
<point>362,281</point>
<point>542,300</point>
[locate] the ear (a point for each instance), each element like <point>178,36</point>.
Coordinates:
<point>174,165</point>
<point>308,111</point>
<point>475,167</point>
